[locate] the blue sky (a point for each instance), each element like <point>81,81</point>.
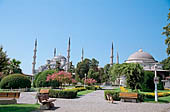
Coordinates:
<point>91,24</point>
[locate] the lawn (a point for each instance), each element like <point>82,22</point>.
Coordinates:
<point>19,107</point>
<point>84,92</point>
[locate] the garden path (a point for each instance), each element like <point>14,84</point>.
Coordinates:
<point>95,102</point>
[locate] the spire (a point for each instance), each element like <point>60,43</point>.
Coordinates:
<point>34,58</point>
<point>54,52</point>
<point>82,55</point>
<point>68,55</point>
<point>111,57</point>
<point>117,62</point>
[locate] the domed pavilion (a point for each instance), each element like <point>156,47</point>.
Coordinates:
<point>145,59</point>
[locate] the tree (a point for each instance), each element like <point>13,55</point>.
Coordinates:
<point>14,66</point>
<point>166,63</point>
<point>62,77</point>
<point>4,62</point>
<point>167,34</point>
<point>116,71</point>
<point>83,68</point>
<point>72,69</point>
<point>94,64</point>
<point>133,72</point>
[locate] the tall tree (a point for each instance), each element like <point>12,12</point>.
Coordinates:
<point>167,34</point>
<point>15,66</point>
<point>106,76</point>
<point>4,62</point>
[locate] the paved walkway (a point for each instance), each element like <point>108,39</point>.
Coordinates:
<point>94,102</point>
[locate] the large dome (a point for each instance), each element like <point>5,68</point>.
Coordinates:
<point>140,57</point>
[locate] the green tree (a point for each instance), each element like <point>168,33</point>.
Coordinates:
<point>166,63</point>
<point>133,72</point>
<point>83,68</point>
<point>15,66</point>
<point>116,71</point>
<point>4,62</point>
<point>72,68</point>
<point>167,34</point>
<point>106,75</point>
<point>94,64</point>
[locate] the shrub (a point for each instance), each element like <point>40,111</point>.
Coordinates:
<point>41,80</point>
<point>148,83</point>
<point>141,97</point>
<point>15,81</point>
<point>114,94</point>
<point>63,93</point>
<point>35,79</point>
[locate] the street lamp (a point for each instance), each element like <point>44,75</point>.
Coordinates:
<point>156,81</point>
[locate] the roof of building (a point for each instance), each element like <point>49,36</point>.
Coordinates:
<point>140,55</point>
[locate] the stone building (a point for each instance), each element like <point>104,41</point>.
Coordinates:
<point>148,62</point>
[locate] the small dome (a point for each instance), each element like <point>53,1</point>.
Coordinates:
<point>141,56</point>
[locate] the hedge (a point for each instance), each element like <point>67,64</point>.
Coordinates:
<point>15,81</point>
<point>63,93</point>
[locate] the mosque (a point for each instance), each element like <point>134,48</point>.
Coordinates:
<point>146,60</point>
<point>57,60</point>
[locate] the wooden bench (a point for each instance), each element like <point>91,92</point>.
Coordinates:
<point>128,97</point>
<point>9,97</point>
<point>45,101</point>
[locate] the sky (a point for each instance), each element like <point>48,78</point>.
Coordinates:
<point>91,24</point>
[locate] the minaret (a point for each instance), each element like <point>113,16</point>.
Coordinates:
<point>34,58</point>
<point>54,52</point>
<point>82,55</point>
<point>111,57</point>
<point>117,62</point>
<point>68,55</point>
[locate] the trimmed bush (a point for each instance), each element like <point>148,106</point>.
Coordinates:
<point>63,93</point>
<point>114,94</point>
<point>41,80</point>
<point>15,81</point>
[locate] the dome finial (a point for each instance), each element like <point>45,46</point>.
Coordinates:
<point>140,50</point>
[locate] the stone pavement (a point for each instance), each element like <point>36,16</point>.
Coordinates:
<point>95,102</point>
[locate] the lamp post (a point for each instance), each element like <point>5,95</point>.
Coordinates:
<point>84,80</point>
<point>156,81</point>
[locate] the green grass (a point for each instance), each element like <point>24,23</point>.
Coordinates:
<point>84,92</point>
<point>165,99</point>
<point>19,107</point>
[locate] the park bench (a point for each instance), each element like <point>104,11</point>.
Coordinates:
<point>45,101</point>
<point>9,97</point>
<point>128,97</point>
